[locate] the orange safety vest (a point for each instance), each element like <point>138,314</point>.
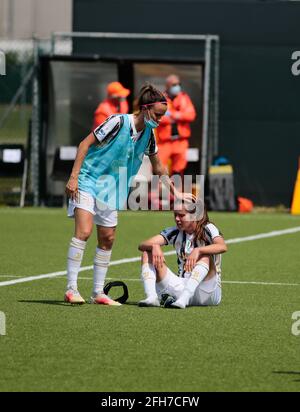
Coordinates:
<point>106,109</point>
<point>185,110</point>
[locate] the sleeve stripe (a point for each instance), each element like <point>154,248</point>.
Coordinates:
<point>115,122</point>
<point>174,232</point>
<point>167,242</point>
<point>103,124</point>
<point>175,238</point>
<point>169,234</point>
<point>212,232</point>
<point>207,232</point>
<point>152,147</point>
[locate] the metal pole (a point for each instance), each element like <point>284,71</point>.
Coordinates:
<point>23,95</point>
<point>52,44</point>
<point>145,36</point>
<point>204,145</point>
<point>216,99</point>
<point>24,183</point>
<point>35,130</point>
<point>11,13</point>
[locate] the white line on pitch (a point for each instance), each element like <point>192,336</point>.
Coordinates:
<point>265,235</point>
<point>137,259</point>
<point>260,283</point>
<point>223,281</point>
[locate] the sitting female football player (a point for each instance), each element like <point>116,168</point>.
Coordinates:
<point>198,244</point>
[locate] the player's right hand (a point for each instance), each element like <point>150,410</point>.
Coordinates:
<point>157,257</point>
<point>191,260</point>
<point>72,188</point>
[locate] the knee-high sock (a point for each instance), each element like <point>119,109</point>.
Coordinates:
<point>148,276</point>
<point>199,273</point>
<point>75,254</point>
<point>101,262</point>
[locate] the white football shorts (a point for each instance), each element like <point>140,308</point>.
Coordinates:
<point>86,201</point>
<point>208,293</point>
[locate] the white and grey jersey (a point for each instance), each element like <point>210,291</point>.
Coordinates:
<point>109,129</point>
<point>185,243</point>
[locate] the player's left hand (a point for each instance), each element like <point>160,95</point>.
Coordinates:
<point>72,188</point>
<point>191,260</point>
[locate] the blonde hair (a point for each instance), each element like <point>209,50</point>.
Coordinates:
<point>195,206</point>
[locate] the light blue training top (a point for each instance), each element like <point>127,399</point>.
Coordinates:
<point>110,165</point>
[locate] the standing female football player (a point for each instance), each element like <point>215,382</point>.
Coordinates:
<point>117,144</point>
<point>198,244</point>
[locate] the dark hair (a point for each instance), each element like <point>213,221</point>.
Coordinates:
<point>150,95</point>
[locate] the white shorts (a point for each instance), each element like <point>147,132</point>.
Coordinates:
<point>208,293</point>
<point>86,201</point>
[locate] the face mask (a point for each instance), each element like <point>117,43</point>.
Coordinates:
<point>175,90</point>
<point>150,123</point>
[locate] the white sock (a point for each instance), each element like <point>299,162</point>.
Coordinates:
<point>149,279</point>
<point>164,282</point>
<point>199,273</point>
<point>101,262</point>
<point>75,254</point>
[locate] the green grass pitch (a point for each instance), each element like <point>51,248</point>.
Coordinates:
<point>245,344</point>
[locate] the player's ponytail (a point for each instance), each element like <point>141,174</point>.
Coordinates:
<point>150,95</point>
<point>200,232</point>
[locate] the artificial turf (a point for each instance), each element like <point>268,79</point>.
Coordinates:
<point>245,344</point>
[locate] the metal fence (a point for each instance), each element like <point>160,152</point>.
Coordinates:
<point>19,59</point>
<point>20,94</point>
<point>16,86</point>
<point>15,113</point>
<point>15,90</point>
<point>65,44</point>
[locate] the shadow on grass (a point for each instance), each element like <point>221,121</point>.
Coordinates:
<point>130,303</point>
<point>289,373</point>
<point>62,303</point>
<point>49,302</point>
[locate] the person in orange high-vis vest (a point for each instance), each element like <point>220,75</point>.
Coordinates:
<point>174,129</point>
<point>114,103</point>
